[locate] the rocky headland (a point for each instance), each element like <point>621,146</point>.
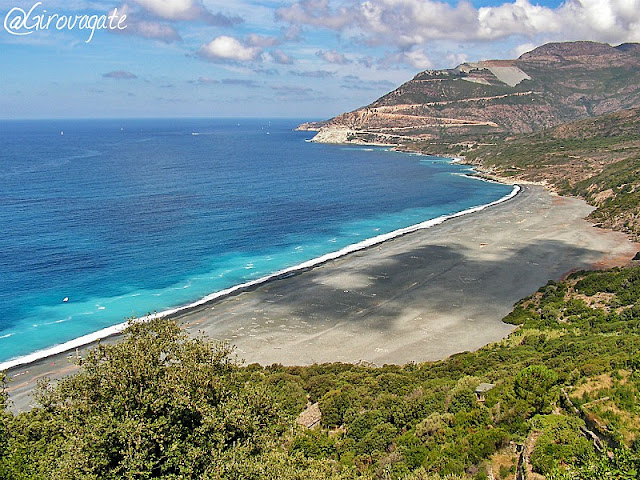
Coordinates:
<point>548,86</point>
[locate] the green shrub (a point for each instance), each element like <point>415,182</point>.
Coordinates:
<point>535,385</point>
<point>560,440</point>
<point>334,405</point>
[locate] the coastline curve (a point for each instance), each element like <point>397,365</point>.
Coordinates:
<point>85,340</point>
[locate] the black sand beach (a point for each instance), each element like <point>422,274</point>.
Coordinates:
<point>420,297</point>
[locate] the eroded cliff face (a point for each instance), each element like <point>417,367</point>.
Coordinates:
<point>552,84</point>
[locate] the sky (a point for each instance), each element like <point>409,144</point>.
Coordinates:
<point>308,59</point>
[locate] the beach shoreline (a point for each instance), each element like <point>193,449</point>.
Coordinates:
<point>419,297</point>
<point>115,330</point>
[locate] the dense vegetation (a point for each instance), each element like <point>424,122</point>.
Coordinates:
<point>163,405</point>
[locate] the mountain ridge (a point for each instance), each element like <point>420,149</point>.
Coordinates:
<point>552,84</point>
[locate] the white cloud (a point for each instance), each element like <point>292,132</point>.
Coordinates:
<point>229,49</point>
<point>177,10</point>
<point>366,61</point>
<point>317,13</point>
<point>256,40</point>
<point>333,56</point>
<point>410,23</point>
<point>518,18</point>
<point>143,27</point>
<point>613,21</point>
<point>143,19</point>
<point>418,59</point>
<point>278,56</point>
<point>172,9</point>
<point>293,33</point>
<point>457,58</point>
<point>415,58</point>
<point>157,30</point>
<point>523,48</point>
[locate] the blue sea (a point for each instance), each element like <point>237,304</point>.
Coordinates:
<point>126,217</point>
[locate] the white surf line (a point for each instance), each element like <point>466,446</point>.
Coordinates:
<point>119,328</point>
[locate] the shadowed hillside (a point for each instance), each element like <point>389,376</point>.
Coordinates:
<point>597,159</point>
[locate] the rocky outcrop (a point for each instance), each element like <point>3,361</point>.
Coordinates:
<point>334,134</point>
<point>311,126</point>
<point>550,85</point>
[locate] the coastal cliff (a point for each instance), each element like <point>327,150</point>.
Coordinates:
<point>550,85</point>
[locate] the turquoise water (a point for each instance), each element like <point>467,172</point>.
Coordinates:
<point>127,217</point>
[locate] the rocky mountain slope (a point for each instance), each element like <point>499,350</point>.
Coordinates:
<point>550,85</point>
